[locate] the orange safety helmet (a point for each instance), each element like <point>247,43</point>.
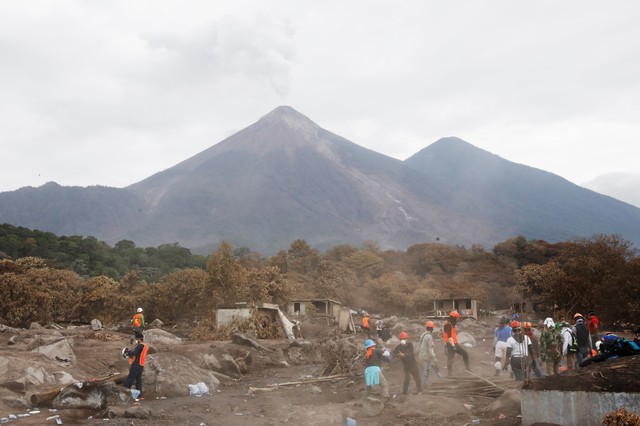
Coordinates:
<point>577,315</point>
<point>403,335</point>
<point>526,325</point>
<point>430,324</point>
<point>515,324</point>
<point>455,314</point>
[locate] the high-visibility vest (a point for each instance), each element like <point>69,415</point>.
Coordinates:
<point>143,355</point>
<point>453,333</point>
<point>365,322</point>
<point>137,320</point>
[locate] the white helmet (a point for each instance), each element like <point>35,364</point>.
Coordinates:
<point>139,310</point>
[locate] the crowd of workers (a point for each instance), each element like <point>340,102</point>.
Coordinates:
<point>519,349</point>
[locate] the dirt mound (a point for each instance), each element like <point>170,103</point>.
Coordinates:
<point>613,375</point>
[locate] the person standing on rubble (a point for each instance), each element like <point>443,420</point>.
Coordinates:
<point>373,372</point>
<point>137,358</point>
<point>519,352</point>
<point>427,353</point>
<point>551,347</point>
<point>379,327</point>
<point>451,343</point>
<point>365,325</point>
<point>594,326</point>
<point>137,323</point>
<point>583,337</point>
<point>568,348</point>
<point>405,351</point>
<point>500,337</point>
<point>527,330</point>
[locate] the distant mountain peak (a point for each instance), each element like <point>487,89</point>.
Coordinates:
<point>291,118</point>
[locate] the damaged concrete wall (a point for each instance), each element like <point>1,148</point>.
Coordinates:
<point>573,408</point>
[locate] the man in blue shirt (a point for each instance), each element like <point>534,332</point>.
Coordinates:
<point>500,337</point>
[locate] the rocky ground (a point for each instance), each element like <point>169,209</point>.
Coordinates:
<point>266,382</point>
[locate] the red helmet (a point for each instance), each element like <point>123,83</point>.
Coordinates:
<point>403,335</point>
<point>430,324</point>
<point>455,314</point>
<point>515,324</point>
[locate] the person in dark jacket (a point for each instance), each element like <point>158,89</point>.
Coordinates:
<point>137,359</point>
<point>373,372</point>
<point>405,351</point>
<point>583,337</point>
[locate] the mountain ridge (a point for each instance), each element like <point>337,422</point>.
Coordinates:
<point>284,178</point>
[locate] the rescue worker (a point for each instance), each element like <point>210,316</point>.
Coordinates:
<point>373,372</point>
<point>583,337</point>
<point>568,351</point>
<point>500,336</point>
<point>427,353</point>
<point>451,343</point>
<point>365,325</point>
<point>379,327</point>
<point>405,351</point>
<point>137,358</point>
<point>594,326</point>
<point>527,330</point>
<point>551,347</point>
<point>137,323</point>
<point>519,352</point>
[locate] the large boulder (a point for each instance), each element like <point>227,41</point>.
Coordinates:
<point>96,325</point>
<point>169,374</point>
<point>59,351</point>
<point>222,362</point>
<point>157,336</point>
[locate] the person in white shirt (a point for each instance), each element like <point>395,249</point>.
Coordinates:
<point>519,352</point>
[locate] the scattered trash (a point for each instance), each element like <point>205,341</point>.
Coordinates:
<point>57,416</point>
<point>4,420</point>
<point>349,422</point>
<point>135,393</point>
<point>468,406</point>
<point>79,385</point>
<point>198,389</point>
<point>34,411</point>
<point>475,421</point>
<point>58,421</point>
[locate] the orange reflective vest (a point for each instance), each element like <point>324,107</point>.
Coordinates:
<point>365,322</point>
<point>446,336</point>
<point>138,320</point>
<point>143,355</point>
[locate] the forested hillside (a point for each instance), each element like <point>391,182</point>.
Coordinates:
<point>48,278</point>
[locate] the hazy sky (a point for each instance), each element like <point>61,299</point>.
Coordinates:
<point>109,92</point>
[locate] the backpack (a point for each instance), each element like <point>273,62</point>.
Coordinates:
<point>573,346</point>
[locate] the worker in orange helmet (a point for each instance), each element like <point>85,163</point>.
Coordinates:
<point>405,351</point>
<point>451,343</point>
<point>427,353</point>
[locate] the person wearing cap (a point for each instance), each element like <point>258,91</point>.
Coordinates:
<point>500,336</point>
<point>551,347</point>
<point>404,350</point>
<point>583,337</point>
<point>427,353</point>
<point>137,359</point>
<point>519,352</point>
<point>452,347</point>
<point>137,323</point>
<point>373,372</point>
<point>594,326</point>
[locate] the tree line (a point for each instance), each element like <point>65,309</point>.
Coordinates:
<point>600,273</point>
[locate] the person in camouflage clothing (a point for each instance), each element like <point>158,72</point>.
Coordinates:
<point>551,347</point>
